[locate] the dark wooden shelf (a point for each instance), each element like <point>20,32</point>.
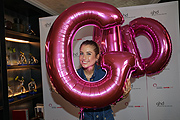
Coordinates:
<point>20,101</point>
<point>29,97</point>
<point>23,36</point>
<point>24,66</point>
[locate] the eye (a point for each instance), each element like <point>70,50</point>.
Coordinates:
<point>88,53</point>
<point>81,53</point>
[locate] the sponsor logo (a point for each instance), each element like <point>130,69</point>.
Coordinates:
<point>48,24</point>
<point>156,12</point>
<point>133,106</point>
<point>155,85</point>
<point>162,104</point>
<point>75,54</point>
<point>126,15</point>
<point>167,69</point>
<point>54,107</point>
<point>134,88</point>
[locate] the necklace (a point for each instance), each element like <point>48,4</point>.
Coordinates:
<point>88,74</point>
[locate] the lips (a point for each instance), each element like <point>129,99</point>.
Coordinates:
<point>84,62</point>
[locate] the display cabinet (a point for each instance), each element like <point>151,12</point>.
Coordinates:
<point>20,67</point>
<point>20,74</point>
<point>23,72</point>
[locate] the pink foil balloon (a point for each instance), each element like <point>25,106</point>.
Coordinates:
<point>59,60</point>
<point>160,42</point>
<point>108,39</point>
<point>151,29</point>
<point>129,44</point>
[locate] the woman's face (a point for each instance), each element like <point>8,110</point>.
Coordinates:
<point>87,56</point>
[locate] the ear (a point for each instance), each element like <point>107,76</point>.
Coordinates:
<point>97,57</point>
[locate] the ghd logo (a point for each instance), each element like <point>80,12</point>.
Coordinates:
<point>125,15</point>
<point>157,12</point>
<point>153,13</point>
<point>48,24</point>
<point>160,104</point>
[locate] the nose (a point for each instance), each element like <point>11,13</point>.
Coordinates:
<point>84,57</point>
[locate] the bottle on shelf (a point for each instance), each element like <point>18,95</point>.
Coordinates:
<point>8,24</point>
<point>17,25</point>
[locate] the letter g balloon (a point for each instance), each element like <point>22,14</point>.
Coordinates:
<point>119,60</point>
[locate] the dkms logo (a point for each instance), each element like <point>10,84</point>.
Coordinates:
<point>133,106</point>
<point>155,85</point>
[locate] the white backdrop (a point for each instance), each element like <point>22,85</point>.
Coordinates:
<point>151,98</point>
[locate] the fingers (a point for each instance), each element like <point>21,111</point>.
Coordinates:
<point>124,89</point>
<point>127,85</point>
<point>127,88</point>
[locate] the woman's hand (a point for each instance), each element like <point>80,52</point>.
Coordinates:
<point>127,88</point>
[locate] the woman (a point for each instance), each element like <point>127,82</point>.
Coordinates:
<point>90,71</point>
